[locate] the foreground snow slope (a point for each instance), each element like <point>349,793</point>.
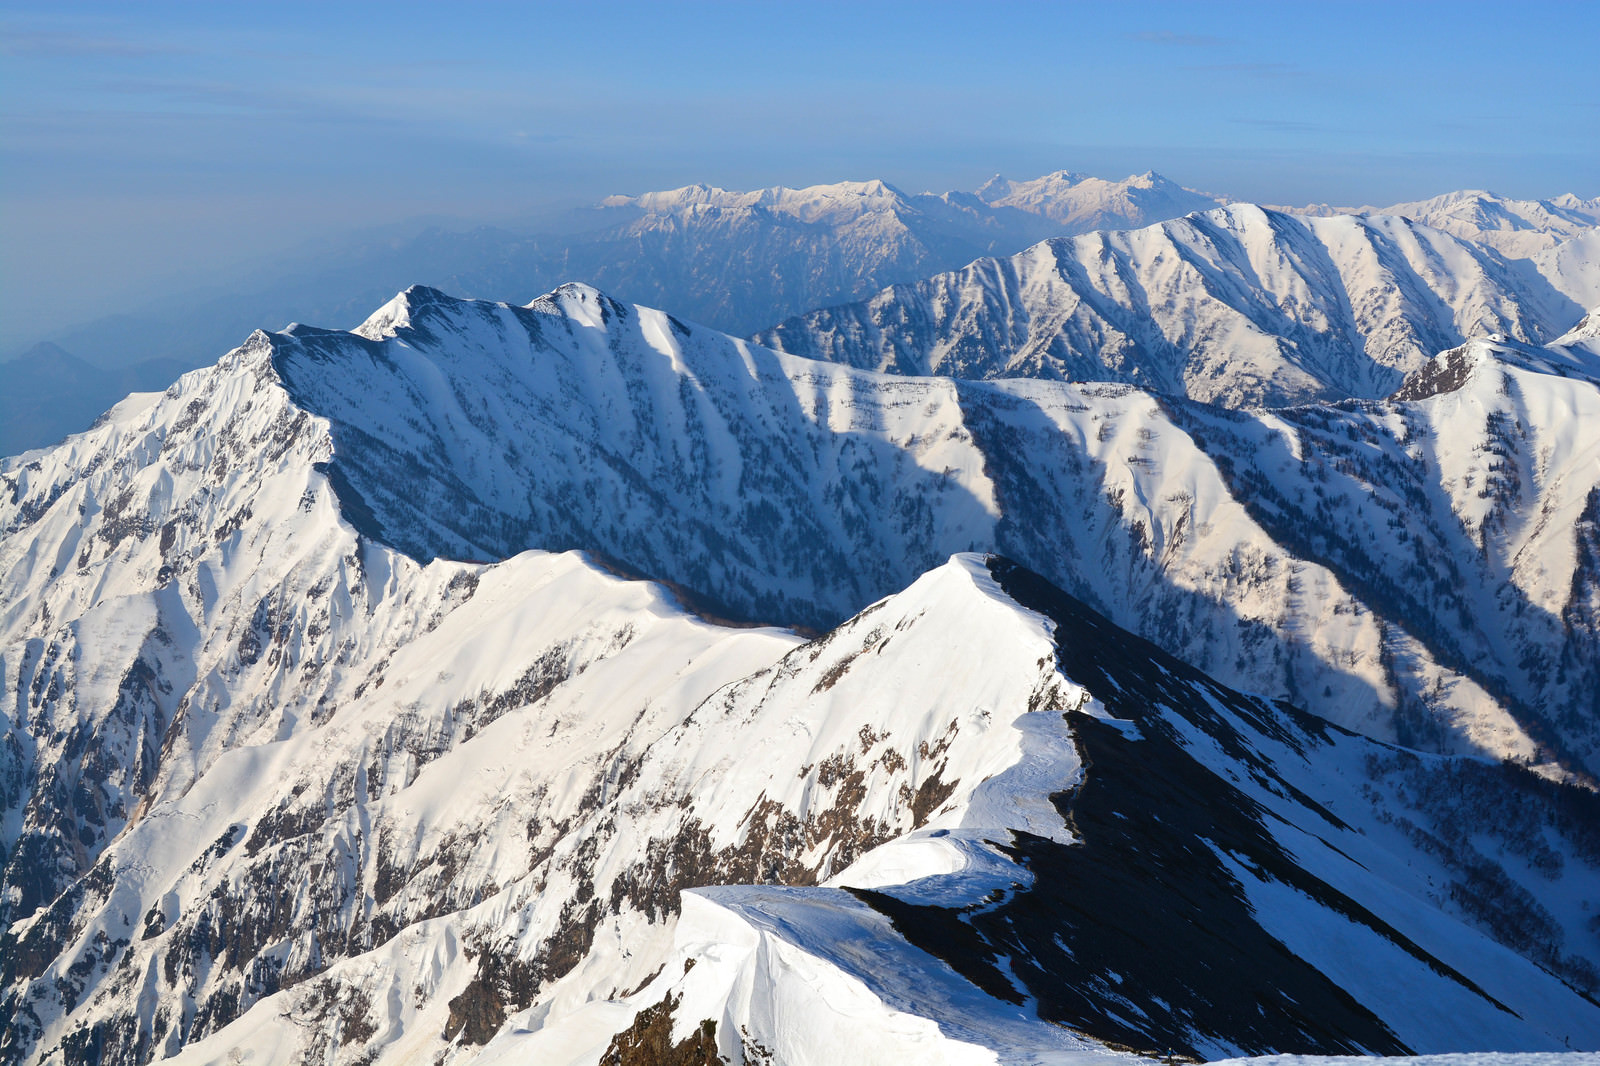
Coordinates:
<point>515,891</point>
<point>1240,306</point>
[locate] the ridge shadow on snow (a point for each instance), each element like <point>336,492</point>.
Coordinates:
<point>1142,935</point>
<point>770,489</point>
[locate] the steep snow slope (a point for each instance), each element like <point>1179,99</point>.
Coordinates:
<point>1238,306</point>
<point>367,907</point>
<point>1081,203</point>
<point>1573,266</point>
<point>781,489</point>
<point>1215,825</point>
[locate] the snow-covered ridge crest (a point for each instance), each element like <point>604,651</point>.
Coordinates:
<point>395,315</point>
<point>1238,305</point>
<point>1520,229</point>
<point>1573,354</point>
<point>1082,203</point>
<point>799,491</point>
<point>422,803</point>
<point>810,204</point>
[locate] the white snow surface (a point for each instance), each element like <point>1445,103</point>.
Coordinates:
<point>801,491</point>
<point>414,718</point>
<point>1520,229</point>
<point>1082,203</point>
<point>284,787</point>
<point>1238,305</point>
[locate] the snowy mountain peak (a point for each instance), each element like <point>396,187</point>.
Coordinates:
<point>811,204</point>
<point>999,186</point>
<point>396,315</point>
<point>1517,228</point>
<point>1238,305</point>
<point>1081,203</point>
<point>1587,330</point>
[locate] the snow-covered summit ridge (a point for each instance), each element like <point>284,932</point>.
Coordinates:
<point>774,488</point>
<point>1519,229</point>
<point>1237,305</point>
<point>810,204</point>
<point>1574,354</point>
<point>1082,203</point>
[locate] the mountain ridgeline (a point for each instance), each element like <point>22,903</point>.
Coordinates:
<point>1239,306</point>
<point>1206,661</point>
<point>784,490</point>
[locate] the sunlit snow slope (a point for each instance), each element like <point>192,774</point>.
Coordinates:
<point>1241,306</point>
<point>780,489</point>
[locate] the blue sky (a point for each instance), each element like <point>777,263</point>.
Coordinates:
<point>144,144</point>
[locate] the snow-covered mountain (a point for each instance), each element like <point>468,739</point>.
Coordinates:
<point>1240,306</point>
<point>1518,229</point>
<point>1082,203</point>
<point>732,259</point>
<point>778,489</point>
<point>280,775</point>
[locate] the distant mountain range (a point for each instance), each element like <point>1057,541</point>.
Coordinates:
<point>735,260</point>
<point>323,744</point>
<point>47,392</point>
<point>738,261</point>
<point>1066,623</point>
<point>1518,229</point>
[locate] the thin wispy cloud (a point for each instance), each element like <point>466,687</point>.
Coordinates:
<point>206,94</point>
<point>48,44</point>
<point>1280,125</point>
<point>1183,40</point>
<point>1260,70</point>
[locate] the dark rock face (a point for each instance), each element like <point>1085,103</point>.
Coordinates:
<point>1445,372</point>
<point>648,1041</point>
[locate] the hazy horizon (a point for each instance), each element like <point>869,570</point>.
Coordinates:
<point>170,145</point>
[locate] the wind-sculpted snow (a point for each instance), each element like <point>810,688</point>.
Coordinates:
<point>1238,306</point>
